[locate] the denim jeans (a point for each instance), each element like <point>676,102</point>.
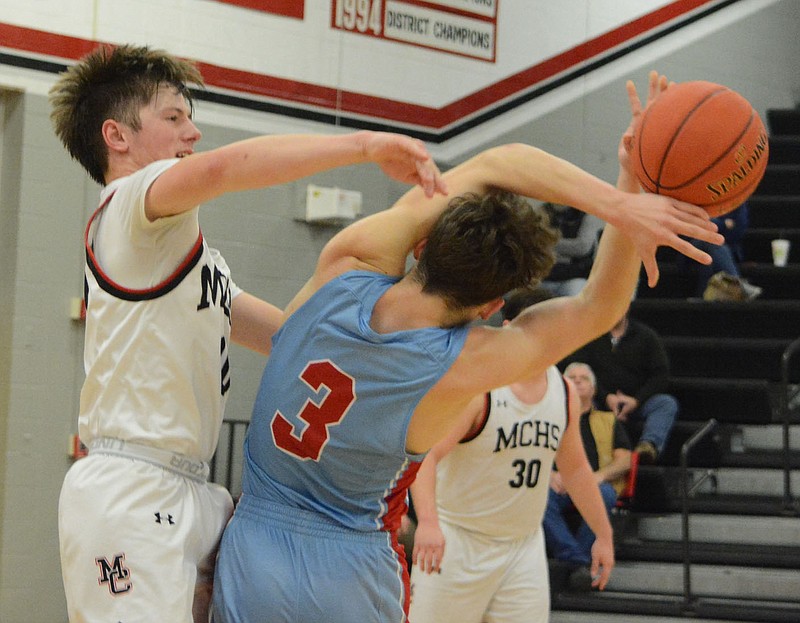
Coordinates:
<point>562,544</point>
<point>657,416</point>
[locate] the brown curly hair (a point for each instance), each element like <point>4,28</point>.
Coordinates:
<point>483,246</point>
<point>111,83</point>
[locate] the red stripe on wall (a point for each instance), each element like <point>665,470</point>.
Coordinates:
<point>551,67</point>
<point>346,102</point>
<point>287,8</point>
<point>268,86</point>
<point>41,42</point>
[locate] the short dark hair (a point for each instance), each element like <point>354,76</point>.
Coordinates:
<point>523,298</point>
<point>111,83</point>
<point>483,246</point>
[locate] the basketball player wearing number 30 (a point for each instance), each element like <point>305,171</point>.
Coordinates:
<point>481,494</point>
<point>373,365</point>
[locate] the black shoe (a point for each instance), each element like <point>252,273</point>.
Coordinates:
<point>580,580</point>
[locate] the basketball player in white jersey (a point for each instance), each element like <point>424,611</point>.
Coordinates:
<point>482,491</point>
<point>138,521</point>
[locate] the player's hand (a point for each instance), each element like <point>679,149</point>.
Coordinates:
<point>602,562</point>
<point>651,221</point>
<point>428,547</point>
<point>625,406</point>
<point>404,159</point>
<point>658,220</point>
<point>612,402</point>
<point>657,85</point>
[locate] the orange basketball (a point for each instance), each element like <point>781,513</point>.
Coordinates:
<point>701,143</point>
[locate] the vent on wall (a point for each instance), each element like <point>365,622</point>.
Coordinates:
<point>334,206</point>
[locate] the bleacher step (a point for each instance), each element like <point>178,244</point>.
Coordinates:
<point>717,483</point>
<point>707,581</point>
<point>723,529</point>
<point>564,616</point>
<point>769,437</point>
<point>747,481</point>
<point>761,459</point>
<point>785,121</point>
<point>745,492</point>
<point>606,608</point>
<point>730,358</point>
<point>772,556</point>
<point>774,211</point>
<point>780,179</point>
<point>755,319</point>
<point>745,401</point>
<point>757,244</point>
<point>784,149</point>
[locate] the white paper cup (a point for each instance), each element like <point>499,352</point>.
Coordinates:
<point>780,251</point>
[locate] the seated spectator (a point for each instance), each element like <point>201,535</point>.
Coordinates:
<point>631,366</point>
<point>725,258</point>
<point>575,250</point>
<point>608,449</point>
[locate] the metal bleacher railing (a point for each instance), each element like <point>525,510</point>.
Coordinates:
<point>687,491</point>
<point>790,505</point>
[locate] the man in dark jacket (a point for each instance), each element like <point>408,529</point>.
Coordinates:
<point>632,370</point>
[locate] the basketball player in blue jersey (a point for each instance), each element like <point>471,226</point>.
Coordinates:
<point>138,521</point>
<point>373,365</point>
<point>481,495</point>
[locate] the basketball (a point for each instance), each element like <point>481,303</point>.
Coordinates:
<point>701,143</point>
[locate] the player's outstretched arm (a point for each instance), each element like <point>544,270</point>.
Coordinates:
<point>382,241</point>
<point>254,322</point>
<point>271,160</point>
<point>429,542</point>
<point>581,485</point>
<point>637,224</point>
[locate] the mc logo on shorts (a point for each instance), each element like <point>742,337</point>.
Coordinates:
<point>115,575</point>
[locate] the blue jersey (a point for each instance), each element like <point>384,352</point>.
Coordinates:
<point>328,431</point>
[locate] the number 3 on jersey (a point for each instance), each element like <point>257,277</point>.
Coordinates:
<point>318,417</point>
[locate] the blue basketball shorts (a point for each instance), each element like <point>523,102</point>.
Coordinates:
<point>285,565</point>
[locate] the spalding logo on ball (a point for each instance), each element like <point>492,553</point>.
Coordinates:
<point>701,143</point>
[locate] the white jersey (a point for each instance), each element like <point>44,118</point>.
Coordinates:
<point>496,483</point>
<point>158,303</point>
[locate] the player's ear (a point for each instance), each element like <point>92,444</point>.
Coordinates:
<point>418,248</point>
<point>492,307</point>
<point>114,135</point>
